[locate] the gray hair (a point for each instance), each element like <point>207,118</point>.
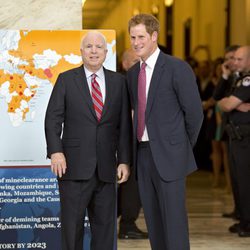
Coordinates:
<point>97,33</point>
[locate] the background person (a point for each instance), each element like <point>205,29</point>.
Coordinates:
<point>237,104</point>
<point>129,203</point>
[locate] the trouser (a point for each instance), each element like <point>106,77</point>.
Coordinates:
<point>129,203</point>
<point>235,188</point>
<point>99,199</point>
<point>163,204</point>
<point>240,151</point>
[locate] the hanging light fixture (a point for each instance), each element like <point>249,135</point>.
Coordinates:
<point>136,11</point>
<point>168,3</point>
<point>155,9</point>
<point>83,2</point>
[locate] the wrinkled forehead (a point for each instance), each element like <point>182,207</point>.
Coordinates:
<point>94,38</point>
<point>240,53</point>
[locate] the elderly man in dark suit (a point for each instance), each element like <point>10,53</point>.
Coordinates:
<point>88,128</point>
<point>167,119</point>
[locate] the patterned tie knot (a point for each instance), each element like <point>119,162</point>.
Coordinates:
<point>93,78</point>
<point>143,66</point>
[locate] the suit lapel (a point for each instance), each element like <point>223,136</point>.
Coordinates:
<point>108,83</point>
<point>155,80</point>
<point>82,84</point>
<point>135,84</point>
<point>134,87</point>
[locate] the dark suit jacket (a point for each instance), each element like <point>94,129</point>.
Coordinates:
<point>71,126</point>
<point>173,115</point>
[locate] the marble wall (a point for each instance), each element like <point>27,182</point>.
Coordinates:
<point>41,14</point>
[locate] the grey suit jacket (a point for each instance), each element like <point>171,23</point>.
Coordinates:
<point>71,126</point>
<point>173,115</point>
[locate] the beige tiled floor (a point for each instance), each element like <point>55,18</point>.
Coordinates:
<point>208,230</point>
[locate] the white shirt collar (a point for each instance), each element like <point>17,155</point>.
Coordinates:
<point>151,61</point>
<point>99,73</point>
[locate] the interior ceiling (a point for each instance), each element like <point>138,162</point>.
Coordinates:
<point>95,11</point>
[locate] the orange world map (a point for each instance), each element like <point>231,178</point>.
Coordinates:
<point>32,56</point>
<point>30,62</point>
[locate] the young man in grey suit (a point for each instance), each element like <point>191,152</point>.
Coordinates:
<point>167,119</point>
<point>88,128</point>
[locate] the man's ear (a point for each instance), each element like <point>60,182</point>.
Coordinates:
<point>154,36</point>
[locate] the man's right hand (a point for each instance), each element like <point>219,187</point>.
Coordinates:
<point>225,70</point>
<point>58,164</point>
<point>244,107</point>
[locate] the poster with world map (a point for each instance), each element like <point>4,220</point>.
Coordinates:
<point>30,62</point>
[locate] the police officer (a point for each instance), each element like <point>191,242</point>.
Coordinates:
<point>224,88</point>
<point>238,106</point>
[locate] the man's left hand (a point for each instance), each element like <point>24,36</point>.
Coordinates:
<point>123,173</point>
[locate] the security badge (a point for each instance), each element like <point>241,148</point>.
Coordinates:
<point>245,81</point>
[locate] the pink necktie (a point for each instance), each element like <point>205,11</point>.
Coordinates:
<point>141,101</point>
<point>96,97</point>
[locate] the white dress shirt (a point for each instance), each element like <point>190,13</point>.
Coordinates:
<point>100,78</point>
<point>151,61</point>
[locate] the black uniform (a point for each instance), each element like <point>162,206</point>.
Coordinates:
<point>225,88</point>
<point>239,135</point>
<point>129,204</point>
